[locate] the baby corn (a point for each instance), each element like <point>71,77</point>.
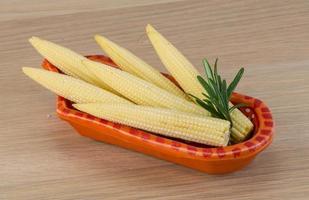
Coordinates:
<point>65,59</point>
<point>163,121</point>
<point>128,62</point>
<point>140,91</point>
<point>175,62</point>
<point>186,75</point>
<point>71,88</point>
<point>242,126</point>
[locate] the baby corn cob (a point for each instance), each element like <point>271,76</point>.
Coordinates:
<point>242,126</point>
<point>186,75</point>
<point>128,62</point>
<point>163,121</point>
<point>140,91</point>
<point>175,62</point>
<point>71,88</point>
<point>65,59</point>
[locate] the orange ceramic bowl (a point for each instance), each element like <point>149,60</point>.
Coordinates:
<point>211,160</point>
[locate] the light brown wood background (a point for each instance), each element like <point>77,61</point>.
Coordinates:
<point>42,157</point>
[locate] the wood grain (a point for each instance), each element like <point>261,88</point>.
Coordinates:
<point>42,157</point>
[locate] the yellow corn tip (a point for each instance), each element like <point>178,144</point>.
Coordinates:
<point>140,91</point>
<point>71,88</point>
<point>163,121</point>
<point>65,59</point>
<point>185,74</point>
<point>129,62</point>
<point>59,56</point>
<point>175,62</point>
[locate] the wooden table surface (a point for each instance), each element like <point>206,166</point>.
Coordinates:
<point>42,157</point>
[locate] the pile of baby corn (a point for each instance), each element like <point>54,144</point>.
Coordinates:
<point>137,94</point>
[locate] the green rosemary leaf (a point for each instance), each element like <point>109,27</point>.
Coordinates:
<point>209,90</point>
<point>202,82</point>
<point>219,81</point>
<point>237,106</point>
<point>205,95</point>
<point>234,83</point>
<point>218,93</point>
<point>207,69</point>
<point>224,95</point>
<point>216,72</point>
<point>215,66</point>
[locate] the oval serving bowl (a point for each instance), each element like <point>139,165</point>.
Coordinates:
<point>211,160</point>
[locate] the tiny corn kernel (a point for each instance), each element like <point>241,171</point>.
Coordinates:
<point>71,88</point>
<point>163,121</point>
<point>140,91</point>
<point>129,62</point>
<point>65,59</point>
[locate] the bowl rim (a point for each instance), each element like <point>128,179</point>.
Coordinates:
<point>258,142</point>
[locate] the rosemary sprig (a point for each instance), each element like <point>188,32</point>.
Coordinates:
<point>217,93</point>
